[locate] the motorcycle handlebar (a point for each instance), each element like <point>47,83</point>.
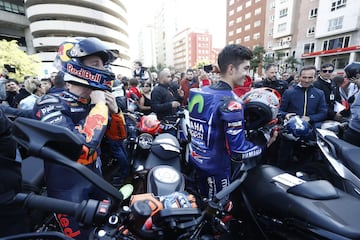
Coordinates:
<point>86,212</point>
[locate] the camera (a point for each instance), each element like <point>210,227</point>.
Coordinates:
<point>10,69</point>
<point>208,68</point>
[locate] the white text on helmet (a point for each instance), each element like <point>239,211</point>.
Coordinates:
<point>82,73</point>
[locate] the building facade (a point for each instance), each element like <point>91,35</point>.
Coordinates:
<point>309,31</point>
<point>192,47</point>
<point>337,34</point>
<point>42,25</point>
<point>246,22</point>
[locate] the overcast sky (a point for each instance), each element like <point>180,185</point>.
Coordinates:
<point>205,14</point>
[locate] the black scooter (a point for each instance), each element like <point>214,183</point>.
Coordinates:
<point>342,161</point>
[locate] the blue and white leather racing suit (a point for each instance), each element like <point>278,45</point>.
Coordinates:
<point>217,135</point>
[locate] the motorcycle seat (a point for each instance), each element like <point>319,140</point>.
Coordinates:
<point>32,170</point>
<point>336,217</point>
<point>317,190</point>
<point>347,152</point>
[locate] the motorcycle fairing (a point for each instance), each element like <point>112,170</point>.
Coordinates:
<point>335,215</point>
<point>165,150</point>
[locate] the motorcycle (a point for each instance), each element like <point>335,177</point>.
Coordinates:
<point>173,213</point>
<point>341,159</point>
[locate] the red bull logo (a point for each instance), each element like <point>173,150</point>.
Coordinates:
<point>83,73</point>
<point>65,223</point>
<point>92,122</point>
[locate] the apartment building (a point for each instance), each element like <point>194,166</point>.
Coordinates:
<point>337,35</point>
<point>246,22</point>
<point>42,25</point>
<point>311,31</point>
<point>191,47</point>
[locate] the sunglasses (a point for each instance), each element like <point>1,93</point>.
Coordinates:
<point>327,71</point>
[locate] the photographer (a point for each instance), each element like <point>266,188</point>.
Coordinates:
<point>3,79</point>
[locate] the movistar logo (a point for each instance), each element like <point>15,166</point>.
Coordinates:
<point>196,99</point>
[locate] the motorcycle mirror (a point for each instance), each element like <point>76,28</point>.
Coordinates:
<point>33,135</point>
<point>126,190</point>
<point>59,145</point>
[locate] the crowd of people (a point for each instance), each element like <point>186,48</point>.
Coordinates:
<point>213,98</point>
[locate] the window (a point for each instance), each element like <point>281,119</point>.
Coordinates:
<point>310,31</point>
<point>335,23</point>
<point>239,19</point>
<point>246,38</point>
<point>256,36</point>
<point>334,43</point>
<point>239,30</point>
<point>231,2</point>
<point>283,12</point>
<point>231,23</point>
<point>257,11</point>
<point>257,23</point>
<point>231,13</point>
<point>248,15</point>
<point>231,33</point>
<point>248,4</point>
<point>238,41</point>
<point>309,47</point>
<point>336,4</point>
<point>271,31</point>
<point>239,8</point>
<point>247,27</point>
<point>272,18</point>
<point>313,13</point>
<point>281,27</point>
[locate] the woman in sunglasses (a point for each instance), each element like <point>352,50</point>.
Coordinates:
<point>145,100</point>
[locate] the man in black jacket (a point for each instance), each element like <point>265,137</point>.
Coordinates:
<point>325,83</point>
<point>270,80</point>
<point>164,101</point>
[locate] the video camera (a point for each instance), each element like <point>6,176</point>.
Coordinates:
<point>9,68</point>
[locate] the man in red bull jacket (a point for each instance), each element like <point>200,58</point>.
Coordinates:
<point>89,110</point>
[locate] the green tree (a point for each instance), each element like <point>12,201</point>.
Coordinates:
<point>201,64</point>
<point>160,67</point>
<point>268,60</point>
<point>279,55</point>
<point>10,53</point>
<point>257,60</point>
<point>153,69</point>
<point>292,62</point>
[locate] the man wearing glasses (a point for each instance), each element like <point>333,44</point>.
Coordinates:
<point>325,83</point>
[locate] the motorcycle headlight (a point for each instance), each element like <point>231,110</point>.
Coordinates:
<point>145,140</point>
<point>166,174</point>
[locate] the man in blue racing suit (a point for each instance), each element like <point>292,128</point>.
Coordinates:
<point>89,110</point>
<point>217,123</point>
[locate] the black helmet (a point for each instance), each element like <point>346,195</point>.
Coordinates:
<point>261,107</point>
<point>352,70</point>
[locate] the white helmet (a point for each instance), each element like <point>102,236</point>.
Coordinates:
<point>261,107</point>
